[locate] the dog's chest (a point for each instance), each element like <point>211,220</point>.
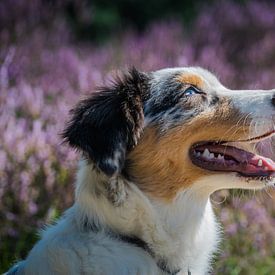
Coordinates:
<point>195,237</point>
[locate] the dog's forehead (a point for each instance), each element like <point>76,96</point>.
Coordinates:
<point>190,75</point>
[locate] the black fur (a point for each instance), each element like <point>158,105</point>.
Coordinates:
<point>166,100</point>
<point>108,123</point>
<point>168,107</point>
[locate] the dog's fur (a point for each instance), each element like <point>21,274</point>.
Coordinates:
<point>136,178</point>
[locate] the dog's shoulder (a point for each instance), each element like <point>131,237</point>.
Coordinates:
<point>64,250</point>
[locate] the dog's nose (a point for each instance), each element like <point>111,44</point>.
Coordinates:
<point>273,99</point>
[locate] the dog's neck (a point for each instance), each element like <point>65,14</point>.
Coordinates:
<point>174,231</point>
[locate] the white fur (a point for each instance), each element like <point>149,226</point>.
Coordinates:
<point>183,232</point>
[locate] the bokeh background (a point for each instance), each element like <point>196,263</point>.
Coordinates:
<point>53,52</point>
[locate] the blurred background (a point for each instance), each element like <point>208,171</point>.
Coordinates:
<point>52,52</point>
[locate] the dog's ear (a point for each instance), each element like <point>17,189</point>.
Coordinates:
<point>108,123</point>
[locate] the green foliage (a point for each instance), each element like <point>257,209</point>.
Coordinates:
<point>13,249</point>
<point>98,20</point>
<point>241,258</point>
<point>16,248</point>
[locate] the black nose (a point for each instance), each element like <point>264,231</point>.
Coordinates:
<point>273,100</point>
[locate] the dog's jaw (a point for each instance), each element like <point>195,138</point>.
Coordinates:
<point>214,114</point>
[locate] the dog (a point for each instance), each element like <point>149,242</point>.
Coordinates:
<point>154,147</point>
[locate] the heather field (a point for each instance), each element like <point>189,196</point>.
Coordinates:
<point>44,70</point>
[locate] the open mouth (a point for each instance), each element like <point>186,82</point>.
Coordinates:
<point>220,156</point>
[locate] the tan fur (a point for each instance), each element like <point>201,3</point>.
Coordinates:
<point>191,79</point>
<point>160,163</point>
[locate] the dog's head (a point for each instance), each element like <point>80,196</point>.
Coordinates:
<point>175,129</point>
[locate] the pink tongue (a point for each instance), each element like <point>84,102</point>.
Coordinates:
<point>248,163</point>
<point>267,164</point>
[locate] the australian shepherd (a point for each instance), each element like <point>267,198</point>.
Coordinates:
<point>154,147</point>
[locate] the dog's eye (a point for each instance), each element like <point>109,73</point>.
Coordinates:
<point>191,91</point>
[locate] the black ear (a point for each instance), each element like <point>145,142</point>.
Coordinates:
<point>108,123</point>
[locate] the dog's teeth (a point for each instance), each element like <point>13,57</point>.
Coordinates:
<point>198,154</point>
<point>220,156</point>
<point>211,156</point>
<point>206,153</point>
<point>260,162</point>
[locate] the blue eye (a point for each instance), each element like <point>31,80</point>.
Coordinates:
<point>191,91</point>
